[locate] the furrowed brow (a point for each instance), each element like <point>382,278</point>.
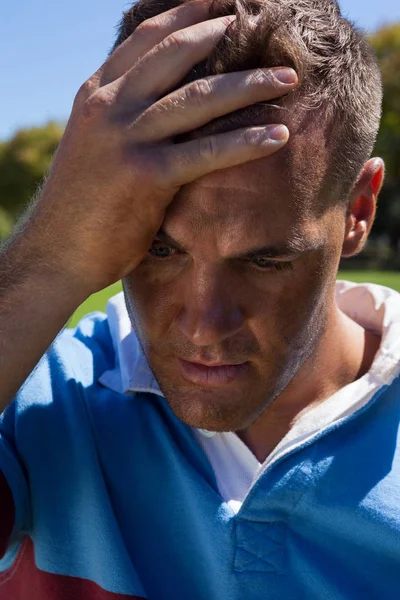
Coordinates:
<point>167,239</point>
<point>280,250</point>
<point>298,244</point>
<point>284,250</point>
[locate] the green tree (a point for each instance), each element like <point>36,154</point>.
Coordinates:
<point>24,161</point>
<point>386,42</point>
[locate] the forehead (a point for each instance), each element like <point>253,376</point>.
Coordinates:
<point>269,199</point>
<point>287,189</point>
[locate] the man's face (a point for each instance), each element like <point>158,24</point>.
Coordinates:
<point>201,297</point>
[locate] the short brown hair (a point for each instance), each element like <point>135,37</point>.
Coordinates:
<point>338,70</point>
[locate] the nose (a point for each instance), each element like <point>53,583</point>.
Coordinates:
<point>210,310</point>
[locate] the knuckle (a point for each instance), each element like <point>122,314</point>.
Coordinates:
<point>97,103</point>
<point>261,78</point>
<point>175,42</point>
<point>253,141</point>
<point>198,92</point>
<point>152,166</point>
<point>141,164</point>
<point>208,148</point>
<point>86,90</point>
<point>248,138</point>
<point>147,28</point>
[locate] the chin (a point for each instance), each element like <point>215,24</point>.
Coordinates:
<point>213,419</point>
<point>233,407</point>
<point>203,409</point>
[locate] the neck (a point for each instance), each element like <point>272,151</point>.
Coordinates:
<point>345,353</point>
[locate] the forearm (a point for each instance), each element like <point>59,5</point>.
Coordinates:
<point>35,303</point>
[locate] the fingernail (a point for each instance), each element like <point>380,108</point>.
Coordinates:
<point>285,75</point>
<point>279,133</point>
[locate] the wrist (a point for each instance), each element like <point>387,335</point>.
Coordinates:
<point>24,264</point>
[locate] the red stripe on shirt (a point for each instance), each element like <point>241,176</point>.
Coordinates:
<point>24,581</point>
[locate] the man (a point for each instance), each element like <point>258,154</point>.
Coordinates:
<point>230,429</point>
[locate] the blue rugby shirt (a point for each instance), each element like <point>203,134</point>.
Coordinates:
<point>107,496</point>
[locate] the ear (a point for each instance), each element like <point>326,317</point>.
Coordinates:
<point>362,207</point>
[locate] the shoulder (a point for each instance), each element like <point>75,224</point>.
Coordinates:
<point>74,362</point>
<point>87,349</point>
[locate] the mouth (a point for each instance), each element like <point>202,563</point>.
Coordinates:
<point>212,375</point>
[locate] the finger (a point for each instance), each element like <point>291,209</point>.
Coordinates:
<point>190,160</point>
<point>166,64</point>
<point>206,99</point>
<point>150,33</point>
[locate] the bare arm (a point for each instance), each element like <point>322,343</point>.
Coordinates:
<point>115,173</point>
<point>35,303</point>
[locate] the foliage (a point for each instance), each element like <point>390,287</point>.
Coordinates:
<point>24,161</point>
<point>386,42</point>
<point>6,223</point>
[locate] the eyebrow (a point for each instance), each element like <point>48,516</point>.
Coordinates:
<point>280,250</point>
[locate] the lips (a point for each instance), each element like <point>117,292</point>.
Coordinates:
<point>214,364</point>
<point>214,375</point>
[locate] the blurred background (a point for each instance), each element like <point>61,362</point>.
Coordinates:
<point>48,49</point>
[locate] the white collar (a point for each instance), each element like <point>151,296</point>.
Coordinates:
<point>132,372</point>
<point>375,307</point>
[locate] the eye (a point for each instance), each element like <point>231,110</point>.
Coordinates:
<point>160,250</point>
<point>265,264</point>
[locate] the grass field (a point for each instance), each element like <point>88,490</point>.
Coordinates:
<point>98,301</point>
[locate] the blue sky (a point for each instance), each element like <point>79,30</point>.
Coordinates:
<point>47,49</point>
